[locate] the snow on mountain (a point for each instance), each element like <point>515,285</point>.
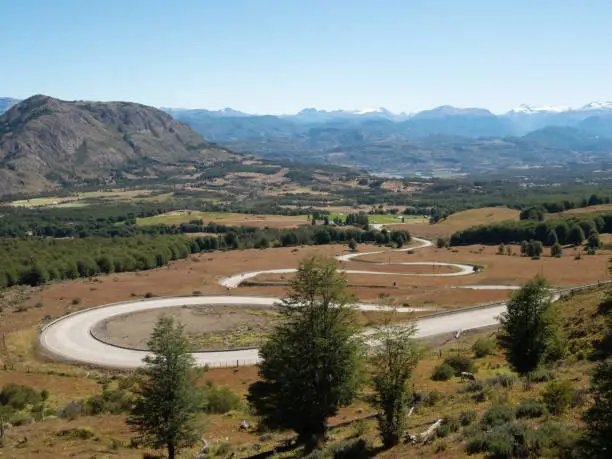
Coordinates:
<point>530,109</point>
<point>598,106</point>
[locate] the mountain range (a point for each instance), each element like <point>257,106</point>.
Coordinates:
<point>444,140</point>
<point>440,141</point>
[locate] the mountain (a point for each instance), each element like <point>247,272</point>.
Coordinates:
<point>6,103</point>
<point>46,143</point>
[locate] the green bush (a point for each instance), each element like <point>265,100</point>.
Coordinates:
<point>497,415</point>
<point>530,408</point>
<point>460,364</point>
<point>483,347</point>
<point>18,397</point>
<point>508,440</point>
<point>473,386</point>
<point>467,417</point>
<point>219,400</point>
<point>443,372</point>
<point>557,396</point>
<point>541,375</point>
<point>450,424</point>
<point>348,449</point>
<point>505,381</point>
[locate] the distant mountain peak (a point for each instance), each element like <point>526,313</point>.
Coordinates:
<point>530,109</point>
<point>598,106</point>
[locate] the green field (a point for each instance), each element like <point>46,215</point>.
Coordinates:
<point>80,199</point>
<point>385,219</point>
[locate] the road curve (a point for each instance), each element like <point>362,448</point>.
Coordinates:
<point>462,270</point>
<point>69,338</point>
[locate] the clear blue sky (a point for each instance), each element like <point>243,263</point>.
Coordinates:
<point>280,56</point>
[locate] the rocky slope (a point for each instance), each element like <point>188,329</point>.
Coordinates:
<point>46,143</point>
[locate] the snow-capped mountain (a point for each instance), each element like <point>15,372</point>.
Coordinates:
<point>530,109</point>
<point>598,106</point>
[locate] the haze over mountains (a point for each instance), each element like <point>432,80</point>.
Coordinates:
<point>443,140</point>
<point>44,141</point>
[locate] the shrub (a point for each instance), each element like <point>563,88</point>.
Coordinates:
<point>473,386</point>
<point>18,397</point>
<point>432,398</point>
<point>530,408</point>
<point>20,419</point>
<point>483,347</point>
<point>460,364</point>
<point>497,415</point>
<point>443,372</point>
<point>505,441</point>
<point>541,375</point>
<point>77,433</point>
<point>76,301</point>
<point>467,417</point>
<point>451,422</point>
<point>71,410</point>
<point>505,381</point>
<point>440,446</point>
<point>219,400</point>
<point>348,449</point>
<point>556,439</point>
<point>441,243</point>
<point>557,396</point>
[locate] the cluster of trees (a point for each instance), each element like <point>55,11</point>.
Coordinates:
<point>549,232</point>
<point>356,219</point>
<point>539,211</point>
<point>35,261</point>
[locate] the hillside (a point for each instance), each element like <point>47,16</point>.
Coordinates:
<point>46,143</point>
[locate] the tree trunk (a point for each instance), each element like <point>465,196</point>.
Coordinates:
<point>171,450</point>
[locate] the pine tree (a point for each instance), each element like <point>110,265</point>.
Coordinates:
<point>165,414</point>
<point>310,365</point>
<point>597,442</point>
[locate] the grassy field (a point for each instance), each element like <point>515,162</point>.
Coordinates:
<point>227,218</point>
<point>80,199</point>
<point>384,219</point>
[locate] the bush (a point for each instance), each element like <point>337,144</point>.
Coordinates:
<point>505,381</point>
<point>557,396</point>
<point>483,347</point>
<point>541,375</point>
<point>432,398</point>
<point>530,408</point>
<point>460,364</point>
<point>77,433</point>
<point>348,449</point>
<point>443,372</point>
<point>497,415</point>
<point>18,397</point>
<point>219,400</point>
<point>505,441</point>
<point>72,410</point>
<point>467,417</point>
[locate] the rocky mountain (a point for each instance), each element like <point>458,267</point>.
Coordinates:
<point>6,103</point>
<point>46,143</point>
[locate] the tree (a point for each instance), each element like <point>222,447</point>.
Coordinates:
<point>576,235</point>
<point>556,250</point>
<point>597,442</point>
<point>501,250</point>
<point>593,242</point>
<point>529,330</point>
<point>165,411</point>
<point>352,245</point>
<point>311,364</point>
<point>551,238</point>
<point>395,355</point>
<point>524,248</point>
<point>535,249</point>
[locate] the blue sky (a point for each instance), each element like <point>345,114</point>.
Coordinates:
<point>280,56</point>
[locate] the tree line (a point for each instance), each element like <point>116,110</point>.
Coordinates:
<point>549,232</point>
<point>35,261</point>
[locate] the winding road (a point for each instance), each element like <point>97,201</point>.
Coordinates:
<point>70,337</point>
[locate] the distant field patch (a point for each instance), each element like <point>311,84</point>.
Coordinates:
<point>81,199</point>
<point>226,218</point>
